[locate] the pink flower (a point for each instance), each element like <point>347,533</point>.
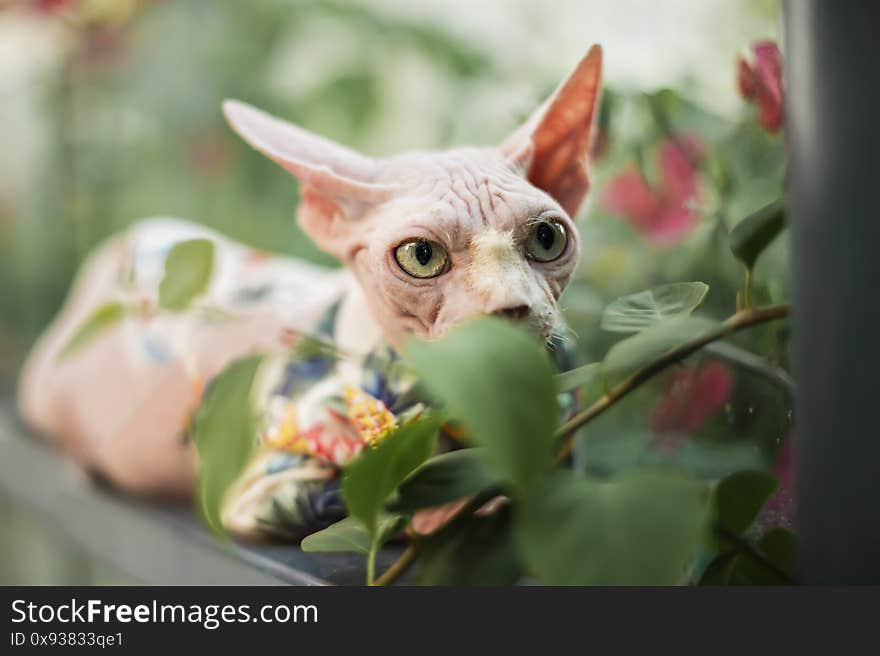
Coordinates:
<point>760,83</point>
<point>693,395</point>
<point>664,213</point>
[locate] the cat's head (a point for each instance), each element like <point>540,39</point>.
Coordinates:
<point>437,237</point>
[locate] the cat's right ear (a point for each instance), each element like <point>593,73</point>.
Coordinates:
<point>336,182</point>
<point>553,146</point>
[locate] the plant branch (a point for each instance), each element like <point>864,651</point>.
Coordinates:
<point>739,321</point>
<point>745,547</point>
<point>755,364</point>
<point>400,565</point>
<point>371,567</point>
<point>415,547</point>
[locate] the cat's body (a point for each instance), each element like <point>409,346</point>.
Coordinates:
<point>119,405</point>
<point>427,240</point>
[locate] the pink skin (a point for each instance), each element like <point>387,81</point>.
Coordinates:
<point>123,419</point>
<point>475,205</point>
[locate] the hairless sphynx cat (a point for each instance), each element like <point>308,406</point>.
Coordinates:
<point>426,240</point>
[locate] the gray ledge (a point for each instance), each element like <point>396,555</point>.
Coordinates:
<point>163,544</point>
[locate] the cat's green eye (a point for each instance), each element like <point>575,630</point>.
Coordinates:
<point>546,241</point>
<point>421,258</point>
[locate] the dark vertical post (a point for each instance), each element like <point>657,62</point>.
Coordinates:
<point>833,131</point>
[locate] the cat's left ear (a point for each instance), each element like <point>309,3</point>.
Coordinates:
<point>552,147</point>
<point>330,168</point>
<point>337,184</point>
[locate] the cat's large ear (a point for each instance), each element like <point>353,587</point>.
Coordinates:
<point>552,147</point>
<point>336,182</point>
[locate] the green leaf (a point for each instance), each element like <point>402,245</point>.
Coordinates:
<point>498,381</point>
<point>100,319</point>
<point>779,545</point>
<point>224,434</point>
<point>746,570</point>
<point>718,571</point>
<point>387,526</point>
<point>642,528</point>
<point>632,353</point>
<point>675,114</point>
<point>479,551</point>
<point>444,478</point>
<point>611,453</point>
<point>778,549</point>
<point>371,478</point>
<point>348,535</point>
<point>754,233</point>
<point>639,311</point>
<point>736,502</point>
<point>188,269</point>
<point>575,378</point>
<point>707,459</point>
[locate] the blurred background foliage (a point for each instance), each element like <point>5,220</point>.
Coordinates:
<point>110,112</point>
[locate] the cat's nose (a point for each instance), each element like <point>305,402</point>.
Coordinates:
<point>516,312</point>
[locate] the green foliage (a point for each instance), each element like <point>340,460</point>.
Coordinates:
<point>188,269</point>
<point>648,308</point>
<point>368,482</point>
<point>499,382</point>
<point>375,474</point>
<point>643,527</point>
<point>717,572</point>
<point>224,435</point>
<point>578,377</point>
<point>632,353</point>
<point>777,566</point>
<point>481,551</point>
<point>100,319</point>
<point>673,114</point>
<point>350,535</point>
<point>444,478</point>
<point>609,455</point>
<point>769,562</point>
<point>745,569</point>
<point>779,545</point>
<point>347,535</point>
<point>754,234</point>
<point>736,502</point>
<point>640,529</point>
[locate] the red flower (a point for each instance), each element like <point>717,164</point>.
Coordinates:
<point>760,83</point>
<point>693,395</point>
<point>663,214</point>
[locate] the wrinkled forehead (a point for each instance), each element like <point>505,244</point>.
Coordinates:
<point>464,191</point>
